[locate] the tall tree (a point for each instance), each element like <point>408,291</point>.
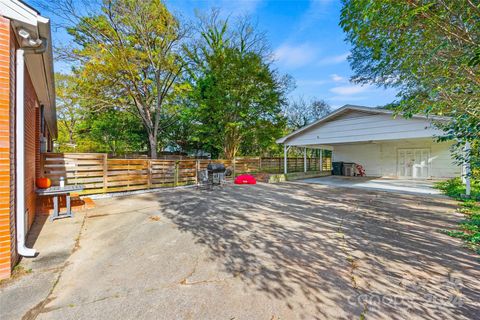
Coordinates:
<point>237,92</point>
<point>130,53</point>
<point>69,110</point>
<point>300,112</point>
<point>428,50</point>
<point>114,131</point>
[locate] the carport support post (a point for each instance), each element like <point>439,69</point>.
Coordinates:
<point>321,160</point>
<point>304,159</point>
<point>467,173</point>
<point>285,150</point>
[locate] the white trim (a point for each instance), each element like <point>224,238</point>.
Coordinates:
<point>315,146</point>
<point>16,10</point>
<point>348,107</point>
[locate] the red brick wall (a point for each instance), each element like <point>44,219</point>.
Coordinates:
<point>8,46</point>
<point>32,146</point>
<point>6,90</point>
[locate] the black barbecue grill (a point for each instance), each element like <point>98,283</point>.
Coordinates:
<point>214,175</point>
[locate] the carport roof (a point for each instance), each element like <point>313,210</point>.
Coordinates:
<point>349,108</point>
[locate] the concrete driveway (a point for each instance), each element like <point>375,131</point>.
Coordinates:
<point>284,251</point>
<point>407,186</point>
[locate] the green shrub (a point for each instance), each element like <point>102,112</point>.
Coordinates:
<point>455,188</point>
<point>468,229</point>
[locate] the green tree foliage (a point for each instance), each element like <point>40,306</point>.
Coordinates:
<point>428,50</point>
<point>115,132</point>
<point>130,60</point>
<point>69,111</point>
<point>82,130</point>
<point>237,94</point>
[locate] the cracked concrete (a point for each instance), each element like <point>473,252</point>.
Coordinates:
<point>286,251</point>
<point>55,242</point>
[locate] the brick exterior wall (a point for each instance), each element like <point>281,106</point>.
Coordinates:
<point>6,91</point>
<point>8,46</point>
<point>32,146</point>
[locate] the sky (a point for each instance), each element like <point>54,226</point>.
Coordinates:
<point>307,43</point>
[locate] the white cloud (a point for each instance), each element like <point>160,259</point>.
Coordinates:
<point>311,82</point>
<point>349,90</point>
<point>336,78</point>
<point>295,56</point>
<point>336,59</point>
<point>317,10</point>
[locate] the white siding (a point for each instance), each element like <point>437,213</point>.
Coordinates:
<point>380,159</point>
<point>368,155</point>
<point>377,127</point>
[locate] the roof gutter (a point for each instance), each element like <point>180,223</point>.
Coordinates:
<point>20,147</point>
<point>44,32</point>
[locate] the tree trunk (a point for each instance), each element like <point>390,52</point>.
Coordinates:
<point>231,145</point>
<point>152,139</point>
<point>70,137</point>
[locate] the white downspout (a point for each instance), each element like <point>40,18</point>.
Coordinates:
<point>20,157</point>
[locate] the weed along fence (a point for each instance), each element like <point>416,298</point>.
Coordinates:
<point>100,174</point>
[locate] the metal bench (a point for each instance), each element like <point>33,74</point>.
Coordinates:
<point>56,192</point>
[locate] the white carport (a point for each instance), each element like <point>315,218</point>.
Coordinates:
<point>384,144</point>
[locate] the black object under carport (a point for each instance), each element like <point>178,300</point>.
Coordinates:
<point>337,168</point>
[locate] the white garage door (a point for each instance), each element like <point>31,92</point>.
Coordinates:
<point>413,163</point>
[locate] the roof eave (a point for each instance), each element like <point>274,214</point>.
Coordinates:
<point>45,32</point>
<point>24,16</point>
<point>352,107</point>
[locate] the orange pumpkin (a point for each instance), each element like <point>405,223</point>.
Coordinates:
<point>43,183</point>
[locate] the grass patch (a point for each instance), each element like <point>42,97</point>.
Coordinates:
<point>468,229</point>
<point>17,272</point>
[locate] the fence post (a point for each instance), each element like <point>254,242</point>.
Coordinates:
<point>175,174</point>
<point>197,168</point>
<point>234,164</point>
<point>128,174</point>
<point>105,173</point>
<point>149,173</point>
<point>260,164</point>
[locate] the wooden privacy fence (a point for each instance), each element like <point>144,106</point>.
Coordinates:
<point>101,174</point>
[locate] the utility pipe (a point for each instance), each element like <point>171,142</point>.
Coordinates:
<point>20,146</point>
<point>20,156</point>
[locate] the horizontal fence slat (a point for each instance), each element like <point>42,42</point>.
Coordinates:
<point>100,174</point>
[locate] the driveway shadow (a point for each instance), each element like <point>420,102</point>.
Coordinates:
<point>335,252</point>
